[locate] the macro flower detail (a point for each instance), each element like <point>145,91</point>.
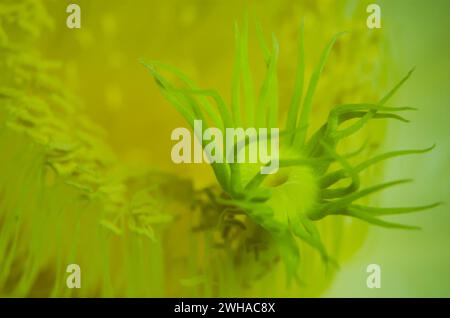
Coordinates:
<point>314,180</point>
<point>91,204</point>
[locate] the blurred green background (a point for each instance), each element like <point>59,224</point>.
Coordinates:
<point>413,263</point>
